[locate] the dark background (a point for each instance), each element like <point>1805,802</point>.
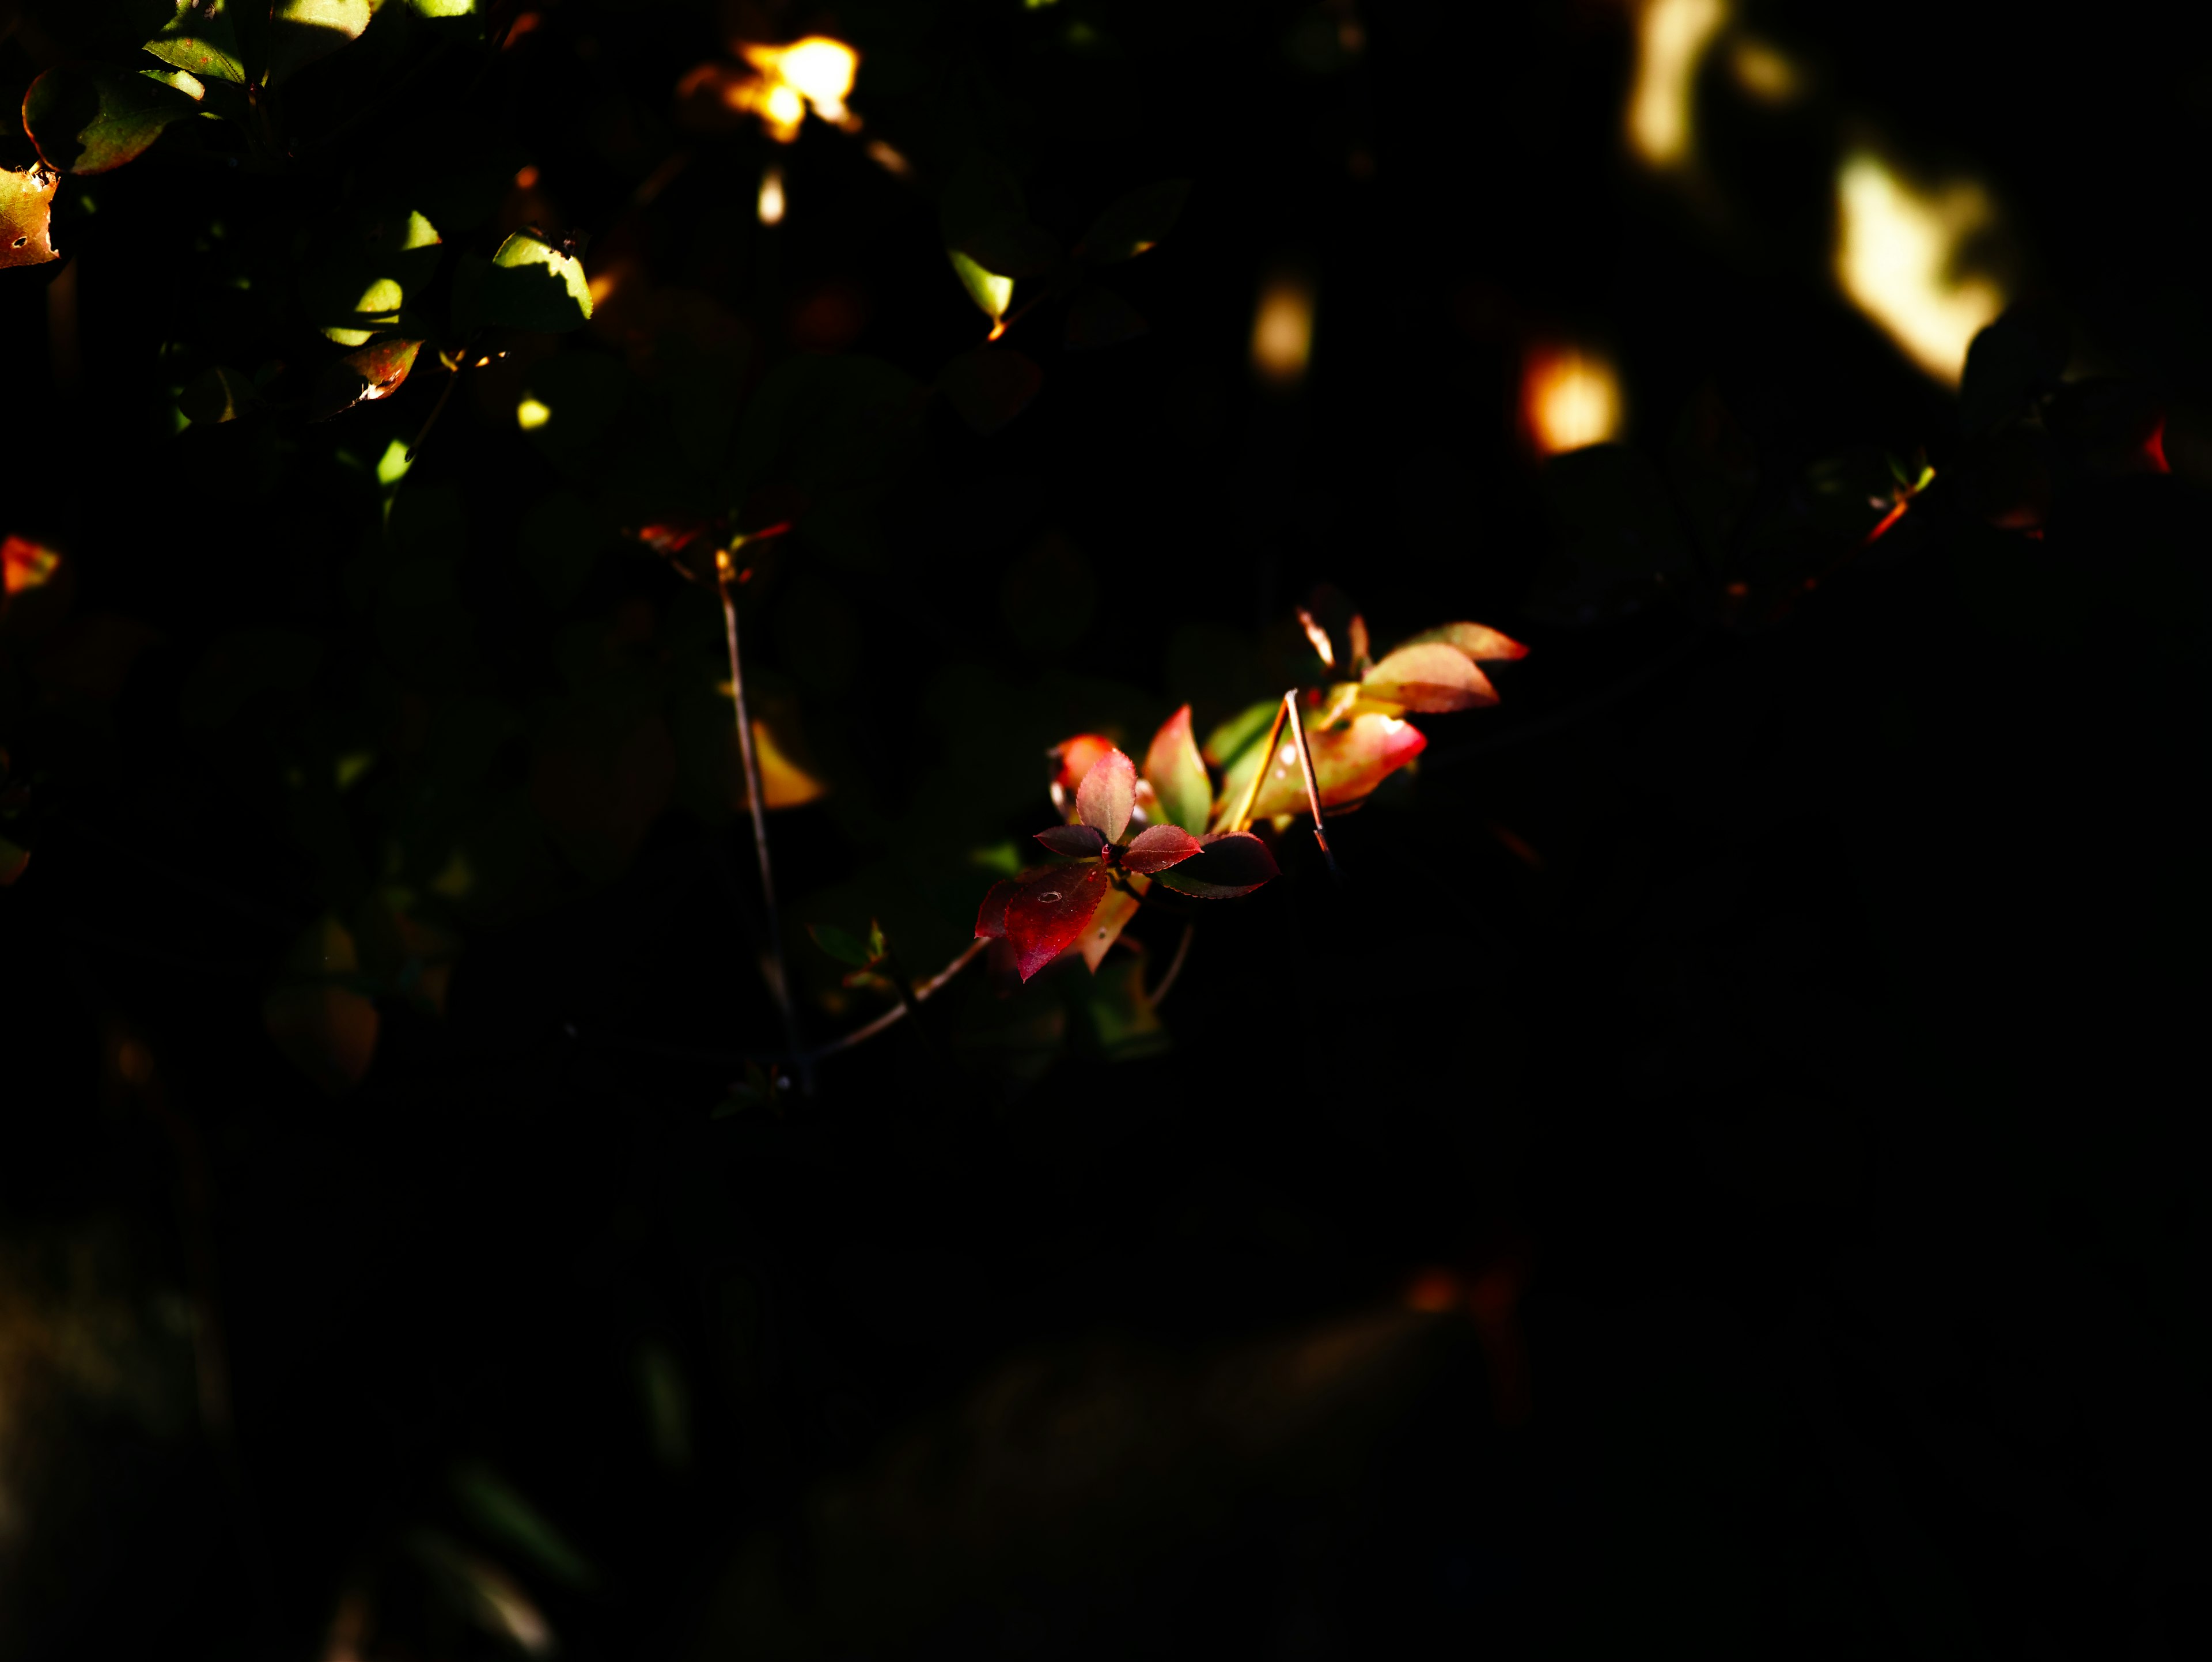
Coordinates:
<point>1816,1083</point>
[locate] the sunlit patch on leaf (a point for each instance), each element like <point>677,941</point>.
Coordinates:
<point>991,292</point>
<point>376,371</point>
<point>1107,795</point>
<point>26,206</point>
<point>202,40</point>
<point>1177,774</point>
<point>1047,913</point>
<point>1478,641</point>
<point>1351,757</point>
<point>530,284</point>
<point>88,120</point>
<point>1432,677</point>
<point>222,395</point>
<point>301,32</point>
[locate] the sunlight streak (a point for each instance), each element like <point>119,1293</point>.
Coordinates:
<point>1671,38</point>
<point>1897,253</point>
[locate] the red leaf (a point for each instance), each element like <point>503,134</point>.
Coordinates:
<point>376,371</point>
<point>1079,842</point>
<point>1072,758</point>
<point>1049,910</point>
<point>1224,866</point>
<point>1158,848</point>
<point>1107,794</point>
<point>991,916</point>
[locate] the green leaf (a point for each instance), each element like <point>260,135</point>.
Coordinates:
<point>1098,317</point>
<point>878,948</point>
<point>1136,222</point>
<point>243,666</point>
<point>1230,740</point>
<point>301,32</point>
<point>220,395</point>
<point>840,945</point>
<point>363,264</point>
<point>990,385</point>
<point>202,40</point>
<point>1177,775</point>
<point>88,120</point>
<point>497,1508</point>
<point>530,284</point>
<point>979,194</point>
<point>990,291</point>
<point>1351,757</point>
<point>1012,245</point>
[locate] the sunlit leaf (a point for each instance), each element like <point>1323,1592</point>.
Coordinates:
<point>1351,759</point>
<point>1047,913</point>
<point>1107,794</point>
<point>327,1030</point>
<point>1478,641</point>
<point>85,120</point>
<point>1156,848</point>
<point>1106,925</point>
<point>840,944</point>
<point>376,371</point>
<point>222,395</point>
<point>1224,868</point>
<point>530,284</point>
<point>1177,774</point>
<point>1134,223</point>
<point>1077,841</point>
<point>1011,245</point>
<point>1233,737</point>
<point>990,385</point>
<point>363,263</point>
<point>26,206</point>
<point>992,291</point>
<point>1099,317</point>
<point>202,40</point>
<point>301,32</point>
<point>496,1508</point>
<point>1432,676</point>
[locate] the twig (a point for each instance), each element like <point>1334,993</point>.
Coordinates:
<point>437,409</point>
<point>725,575</point>
<point>898,1012</point>
<point>1236,821</point>
<point>1175,965</point>
<point>1313,786</point>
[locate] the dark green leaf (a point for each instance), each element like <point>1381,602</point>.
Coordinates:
<point>2024,352</point>
<point>1615,509</point>
<point>980,193</point>
<point>1134,223</point>
<point>1224,867</point>
<point>990,385</point>
<point>300,31</point>
<point>85,120</point>
<point>202,40</point>
<point>841,945</point>
<point>530,284</point>
<point>497,1508</point>
<point>1099,317</point>
<point>1012,245</point>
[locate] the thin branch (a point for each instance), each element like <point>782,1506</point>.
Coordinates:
<point>922,991</point>
<point>725,575</point>
<point>1175,965</point>
<point>1313,786</point>
<point>1237,820</point>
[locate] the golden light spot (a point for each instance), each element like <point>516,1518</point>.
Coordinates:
<point>531,414</point>
<point>1671,38</point>
<point>889,159</point>
<point>1282,329</point>
<point>1897,253</point>
<point>526,179</point>
<point>770,204</point>
<point>1763,72</point>
<point>1569,398</point>
<point>601,286</point>
<point>816,72</point>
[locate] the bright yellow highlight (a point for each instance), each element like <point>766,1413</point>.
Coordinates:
<point>25,565</point>
<point>784,783</point>
<point>1282,331</point>
<point>1763,72</point>
<point>770,205</point>
<point>530,414</point>
<point>1569,398</point>
<point>816,72</point>
<point>1896,254</point>
<point>1671,38</point>
<point>391,466</point>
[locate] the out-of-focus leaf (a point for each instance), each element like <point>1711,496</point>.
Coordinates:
<point>1118,1020</point>
<point>1432,678</point>
<point>495,1506</point>
<point>85,120</point>
<point>2110,427</point>
<point>840,944</point>
<point>202,40</point>
<point>1099,317</point>
<point>376,371</point>
<point>1613,503</point>
<point>484,1592</point>
<point>828,422</point>
<point>1240,731</point>
<point>1849,494</point>
<point>1049,595</point>
<point>978,194</point>
<point>1351,759</point>
<point>1156,847</point>
<point>27,207</point>
<point>1178,776</point>
<point>1076,842</point>
<point>245,664</point>
<point>1478,641</point>
<point>572,401</point>
<point>992,291</point>
<point>14,859</point>
<point>301,32</point>
<point>1107,794</point>
<point>990,385</point>
<point>326,1029</point>
<point>2008,361</point>
<point>1135,222</point>
<point>1714,469</point>
<point>991,916</point>
<point>1224,867</point>
<point>1047,913</point>
<point>558,539</point>
<point>1012,245</point>
<point>220,395</point>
